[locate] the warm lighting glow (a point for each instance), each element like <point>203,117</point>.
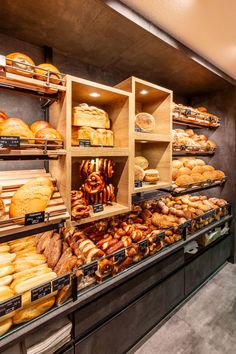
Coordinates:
<point>94,94</point>
<point>144,92</point>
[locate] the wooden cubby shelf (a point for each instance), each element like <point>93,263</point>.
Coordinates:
<point>152,137</point>
<point>99,151</point>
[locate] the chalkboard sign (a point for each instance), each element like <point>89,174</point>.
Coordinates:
<point>97,208</point>
<point>41,291</point>
<point>10,305</point>
<point>90,269</point>
<point>84,142</point>
<point>34,218</point>
<point>119,255</point>
<point>9,141</point>
<point>60,282</point>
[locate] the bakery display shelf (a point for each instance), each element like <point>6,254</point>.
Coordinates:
<point>194,150</point>
<point>144,137</point>
<point>98,151</point>
<point>193,116</point>
<point>190,123</point>
<point>151,186</point>
<point>197,186</point>
<point>108,211</point>
<point>193,153</point>
<point>10,182</point>
<point>154,194</point>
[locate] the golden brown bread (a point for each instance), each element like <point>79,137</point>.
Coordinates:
<point>50,134</point>
<point>28,282</point>
<point>139,173</point>
<point>54,77</point>
<point>184,180</point>
<point>39,124</point>
<point>184,171</point>
<point>6,280</point>
<point>18,131</point>
<point>6,269</point>
<point>5,326</point>
<point>22,67</point>
<point>177,164</point>
<point>141,161</point>
<point>84,115</point>
<point>145,122</point>
<point>104,137</point>
<point>174,173</point>
<point>151,175</point>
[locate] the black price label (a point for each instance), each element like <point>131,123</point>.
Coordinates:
<point>143,245</point>
<point>9,306</point>
<point>9,141</point>
<point>84,142</point>
<point>138,130</point>
<point>90,269</point>
<point>60,282</point>
<point>34,218</point>
<point>119,255</point>
<point>209,214</point>
<point>187,112</point>
<point>41,291</point>
<point>97,208</point>
<point>138,184</point>
<point>161,236</point>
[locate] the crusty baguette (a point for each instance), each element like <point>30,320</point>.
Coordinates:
<point>6,269</point>
<point>21,246</point>
<point>7,257</point>
<point>31,271</point>
<point>4,247</point>
<point>30,250</point>
<point>29,276</point>
<point>30,283</point>
<point>33,310</point>
<point>21,240</point>
<point>33,256</point>
<point>5,326</point>
<point>6,280</point>
<point>21,265</point>
<point>6,293</point>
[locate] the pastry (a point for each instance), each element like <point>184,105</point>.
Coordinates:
<point>42,72</point>
<point>22,66</point>
<point>145,122</point>
<point>151,175</point>
<point>39,124</point>
<point>84,115</point>
<point>184,180</point>
<point>141,162</point>
<point>139,173</point>
<point>32,197</point>
<point>50,134</point>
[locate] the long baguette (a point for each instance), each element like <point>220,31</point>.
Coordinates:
<point>21,246</point>
<point>6,269</point>
<point>30,257</point>
<point>21,265</point>
<point>29,276</point>
<point>7,257</point>
<point>30,250</point>
<point>33,282</point>
<point>4,247</point>
<point>32,271</point>
<point>6,280</point>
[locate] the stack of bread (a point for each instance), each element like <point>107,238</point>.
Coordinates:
<point>190,140</point>
<point>141,173</point>
<point>92,124</point>
<point>40,129</point>
<point>22,269</point>
<point>194,115</point>
<point>22,64</point>
<point>190,170</point>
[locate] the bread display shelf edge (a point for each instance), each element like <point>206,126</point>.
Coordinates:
<point>152,137</point>
<point>98,151</point>
<point>10,182</point>
<point>197,186</point>
<point>190,123</point>
<point>151,187</point>
<point>193,153</point>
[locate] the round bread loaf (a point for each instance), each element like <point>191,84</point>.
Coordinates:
<point>145,122</point>
<point>18,130</point>
<point>39,124</point>
<point>23,65</point>
<point>151,175</point>
<point>42,71</point>
<point>50,134</point>
<point>141,162</point>
<point>184,171</point>
<point>184,180</point>
<point>177,164</point>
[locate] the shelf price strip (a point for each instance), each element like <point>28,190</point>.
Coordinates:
<point>10,305</point>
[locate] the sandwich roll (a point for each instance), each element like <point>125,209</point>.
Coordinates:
<point>21,265</point>
<point>33,310</point>
<point>6,293</point>
<point>29,275</point>
<point>6,280</point>
<point>32,271</point>
<point>30,283</point>
<point>7,257</point>
<point>4,248</point>
<point>5,326</point>
<point>6,269</point>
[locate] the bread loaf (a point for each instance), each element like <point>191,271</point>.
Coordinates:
<point>54,76</point>
<point>89,116</point>
<point>32,197</point>
<point>141,162</point>
<point>6,269</point>
<point>6,293</point>
<point>24,284</point>
<point>49,134</point>
<point>23,65</point>
<point>145,122</point>
<point>5,326</point>
<point>39,124</point>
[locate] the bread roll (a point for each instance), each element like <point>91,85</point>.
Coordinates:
<point>84,115</point>
<point>184,180</point>
<point>6,269</point>
<point>32,197</point>
<point>6,280</point>
<point>190,164</point>
<point>175,172</point>
<point>197,177</point>
<point>151,175</point>
<point>177,164</point>
<point>38,269</point>
<point>184,171</point>
<point>39,124</point>
<point>209,175</point>
<point>3,116</point>
<point>33,310</point>
<point>23,65</point>
<point>6,293</point>
<point>218,174</point>
<point>199,162</point>
<point>138,173</point>
<point>5,326</point>
<point>26,284</point>
<point>54,77</point>
<point>4,247</point>
<point>141,162</point>
<point>198,169</point>
<point>49,134</point>
<point>207,168</point>
<point>145,122</point>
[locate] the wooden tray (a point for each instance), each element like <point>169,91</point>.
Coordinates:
<point>10,182</point>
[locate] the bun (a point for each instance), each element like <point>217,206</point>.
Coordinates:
<point>39,124</point>
<point>207,168</point>
<point>184,180</point>
<point>5,326</point>
<point>50,134</point>
<point>177,164</point>
<point>175,172</point>
<point>145,122</point>
<point>197,177</point>
<point>138,173</point>
<point>3,116</point>
<point>218,174</point>
<point>84,115</point>
<point>54,77</point>
<point>190,164</point>
<point>184,171</point>
<point>32,197</point>
<point>141,162</point>
<point>33,310</point>
<point>198,169</point>
<point>208,175</point>
<point>24,63</point>
<point>151,175</point>
<point>199,162</point>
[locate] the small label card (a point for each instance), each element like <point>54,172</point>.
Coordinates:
<point>119,255</point>
<point>90,269</point>
<point>143,245</point>
<point>10,305</point>
<point>138,184</point>
<point>41,291</point>
<point>84,142</point>
<point>34,218</point>
<point>97,208</point>
<point>60,282</point>
<point>9,141</point>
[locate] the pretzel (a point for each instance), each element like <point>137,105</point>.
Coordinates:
<point>94,183</point>
<point>80,211</point>
<point>110,170</point>
<point>76,195</point>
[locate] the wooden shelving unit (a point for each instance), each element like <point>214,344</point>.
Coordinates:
<point>156,146</point>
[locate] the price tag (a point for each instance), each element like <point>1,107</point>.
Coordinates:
<point>84,143</point>
<point>41,291</point>
<point>9,141</point>
<point>143,245</point>
<point>161,236</point>
<point>60,282</point>
<point>90,269</point>
<point>138,184</point>
<point>97,208</point>
<point>10,305</point>
<point>138,130</point>
<point>34,218</point>
<point>187,112</point>
<point>119,255</point>
<point>209,214</point>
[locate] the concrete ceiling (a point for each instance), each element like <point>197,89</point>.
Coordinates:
<point>206,26</point>
<point>92,32</point>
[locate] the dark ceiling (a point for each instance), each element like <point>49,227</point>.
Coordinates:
<point>96,34</point>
